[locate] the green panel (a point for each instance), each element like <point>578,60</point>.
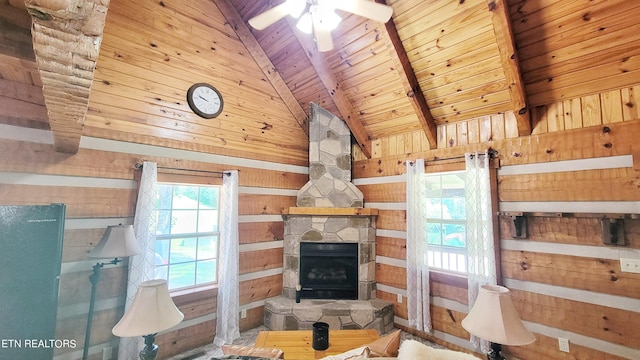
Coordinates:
<point>31,246</point>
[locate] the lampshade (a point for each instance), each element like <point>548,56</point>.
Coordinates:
<point>118,241</point>
<point>494,318</point>
<point>151,311</point>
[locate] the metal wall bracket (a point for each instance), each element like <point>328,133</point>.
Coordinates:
<point>613,231</point>
<point>519,227</point>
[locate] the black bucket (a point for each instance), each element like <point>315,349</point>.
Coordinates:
<point>320,336</point>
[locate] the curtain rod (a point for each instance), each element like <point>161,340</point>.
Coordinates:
<point>491,152</point>
<point>139,166</point>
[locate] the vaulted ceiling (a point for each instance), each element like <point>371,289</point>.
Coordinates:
<point>434,63</point>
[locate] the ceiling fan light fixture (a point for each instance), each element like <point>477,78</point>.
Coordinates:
<point>326,17</point>
<point>296,7</point>
<point>305,24</point>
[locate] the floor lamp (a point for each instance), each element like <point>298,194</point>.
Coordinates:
<point>119,241</point>
<point>151,311</point>
<point>494,318</point>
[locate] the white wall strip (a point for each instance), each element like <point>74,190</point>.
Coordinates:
<point>59,180</point>
<point>622,207</point>
<point>260,274</point>
<point>258,218</point>
<point>87,265</point>
<point>263,245</point>
<point>253,305</point>
<point>391,289</point>
<point>24,134</point>
<point>450,304</point>
<point>599,252</point>
<point>266,191</point>
<point>387,206</point>
<point>591,297</point>
<point>380,180</point>
<point>609,162</point>
<point>463,343</point>
<point>95,223</point>
<point>391,233</point>
<point>83,308</point>
<point>155,151</point>
<point>192,322</point>
<point>391,261</point>
<point>589,342</point>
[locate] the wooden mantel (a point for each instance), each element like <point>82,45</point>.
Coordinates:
<point>326,211</point>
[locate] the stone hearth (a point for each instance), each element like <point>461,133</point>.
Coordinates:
<point>329,210</point>
<point>285,314</point>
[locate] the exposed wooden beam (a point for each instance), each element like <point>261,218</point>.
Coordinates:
<point>66,41</point>
<point>331,83</point>
<point>263,61</point>
<point>409,80</point>
<point>509,58</point>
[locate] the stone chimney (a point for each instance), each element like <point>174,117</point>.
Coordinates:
<point>329,164</point>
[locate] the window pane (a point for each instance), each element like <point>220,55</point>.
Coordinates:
<point>185,197</point>
<point>434,208</point>
<point>164,222</point>
<point>161,272</point>
<point>434,234</point>
<point>208,221</point>
<point>207,247</point>
<point>164,196</point>
<point>184,221</point>
<point>208,198</point>
<point>206,271</point>
<point>182,250</point>
<point>454,208</point>
<point>455,235</point>
<point>182,275</point>
<point>162,252</point>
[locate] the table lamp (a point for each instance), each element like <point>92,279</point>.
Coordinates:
<point>494,318</point>
<point>119,241</point>
<point>152,310</point>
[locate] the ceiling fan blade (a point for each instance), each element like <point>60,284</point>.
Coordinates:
<point>369,9</point>
<point>324,41</point>
<point>269,17</point>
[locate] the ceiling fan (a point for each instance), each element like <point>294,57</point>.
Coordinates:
<point>319,17</point>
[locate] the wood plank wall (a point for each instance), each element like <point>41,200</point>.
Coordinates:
<point>581,158</point>
<point>100,189</point>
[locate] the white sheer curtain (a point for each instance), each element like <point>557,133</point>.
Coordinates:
<point>481,262</point>
<point>228,322</point>
<point>418,301</point>
<point>141,267</point>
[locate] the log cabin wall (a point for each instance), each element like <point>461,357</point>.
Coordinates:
<point>99,188</point>
<point>581,161</point>
<point>138,111</point>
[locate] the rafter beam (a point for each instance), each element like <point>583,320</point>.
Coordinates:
<point>332,85</point>
<point>268,69</point>
<point>409,80</point>
<point>509,58</point>
<point>66,41</point>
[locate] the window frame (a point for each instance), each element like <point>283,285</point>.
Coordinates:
<point>187,290</point>
<point>459,280</point>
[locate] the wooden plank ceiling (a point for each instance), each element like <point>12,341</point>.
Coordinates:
<point>434,63</point>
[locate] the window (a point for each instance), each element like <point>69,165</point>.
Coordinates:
<point>446,221</point>
<point>187,235</point>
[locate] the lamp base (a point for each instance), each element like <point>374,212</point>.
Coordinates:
<point>494,353</point>
<point>150,351</point>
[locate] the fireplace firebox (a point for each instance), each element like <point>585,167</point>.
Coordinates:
<point>329,270</point>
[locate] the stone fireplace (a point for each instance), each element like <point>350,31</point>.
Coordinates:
<point>330,223</point>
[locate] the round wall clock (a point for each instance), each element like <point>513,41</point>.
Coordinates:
<point>205,100</point>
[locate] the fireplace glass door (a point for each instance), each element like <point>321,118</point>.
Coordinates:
<point>329,270</point>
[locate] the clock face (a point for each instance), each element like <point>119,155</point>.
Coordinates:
<point>205,100</point>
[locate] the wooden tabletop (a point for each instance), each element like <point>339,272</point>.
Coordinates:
<point>297,344</point>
